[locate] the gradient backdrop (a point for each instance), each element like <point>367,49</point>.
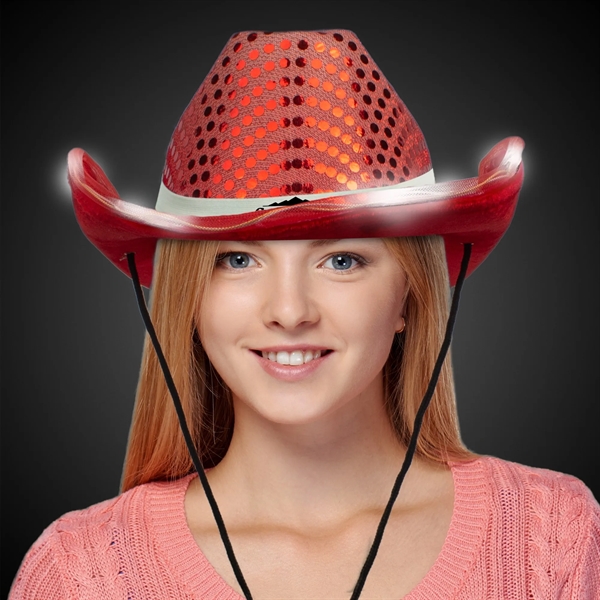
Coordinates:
<point>114,78</point>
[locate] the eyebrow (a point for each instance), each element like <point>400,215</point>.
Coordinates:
<point>313,244</point>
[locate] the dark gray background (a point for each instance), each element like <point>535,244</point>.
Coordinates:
<point>113,78</point>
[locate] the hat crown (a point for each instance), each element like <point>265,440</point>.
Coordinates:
<point>286,113</point>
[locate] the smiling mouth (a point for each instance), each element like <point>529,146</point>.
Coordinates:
<point>294,358</point>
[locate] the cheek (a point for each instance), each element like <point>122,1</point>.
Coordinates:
<point>217,322</point>
<point>370,319</point>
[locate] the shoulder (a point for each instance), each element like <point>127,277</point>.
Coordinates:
<point>543,488</point>
<point>83,542</point>
<point>550,520</point>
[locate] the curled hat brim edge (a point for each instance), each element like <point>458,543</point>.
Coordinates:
<point>476,210</point>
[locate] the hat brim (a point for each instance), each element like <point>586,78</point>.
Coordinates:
<point>476,210</point>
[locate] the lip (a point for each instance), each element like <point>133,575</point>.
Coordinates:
<point>292,348</point>
<point>289,372</point>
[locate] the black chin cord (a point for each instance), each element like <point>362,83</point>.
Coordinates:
<point>184,428</point>
<point>407,459</point>
<point>417,425</point>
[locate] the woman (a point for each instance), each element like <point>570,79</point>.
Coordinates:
<point>304,363</point>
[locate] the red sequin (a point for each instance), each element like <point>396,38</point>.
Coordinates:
<point>338,140</point>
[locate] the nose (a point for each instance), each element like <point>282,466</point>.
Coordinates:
<point>289,301</point>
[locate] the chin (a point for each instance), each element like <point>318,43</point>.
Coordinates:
<point>289,408</point>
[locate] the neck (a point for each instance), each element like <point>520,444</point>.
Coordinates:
<point>344,462</point>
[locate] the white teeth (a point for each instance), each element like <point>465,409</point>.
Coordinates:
<point>295,358</point>
<point>283,358</point>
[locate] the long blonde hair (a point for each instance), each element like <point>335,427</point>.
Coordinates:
<point>156,448</point>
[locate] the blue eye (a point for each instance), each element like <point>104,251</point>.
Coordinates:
<point>342,262</point>
<point>235,260</point>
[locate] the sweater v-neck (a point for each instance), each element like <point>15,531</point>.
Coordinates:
<point>175,542</point>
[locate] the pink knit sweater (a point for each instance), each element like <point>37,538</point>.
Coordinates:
<point>516,533</point>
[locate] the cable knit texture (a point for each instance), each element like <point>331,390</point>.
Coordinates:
<point>517,533</point>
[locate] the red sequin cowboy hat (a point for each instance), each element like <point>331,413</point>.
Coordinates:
<point>298,135</point>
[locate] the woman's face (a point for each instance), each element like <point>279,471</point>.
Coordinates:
<point>300,329</point>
